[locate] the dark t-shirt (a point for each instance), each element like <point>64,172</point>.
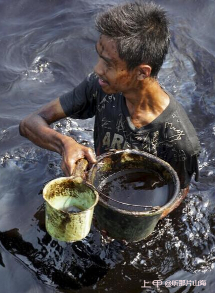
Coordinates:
<point>171,136</point>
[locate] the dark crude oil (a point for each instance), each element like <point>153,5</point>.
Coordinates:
<point>136,187</point>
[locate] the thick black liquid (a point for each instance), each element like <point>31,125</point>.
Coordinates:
<point>136,187</point>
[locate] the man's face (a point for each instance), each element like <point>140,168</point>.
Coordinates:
<point>112,71</point>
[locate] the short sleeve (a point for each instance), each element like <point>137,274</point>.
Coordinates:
<point>186,169</point>
<point>80,103</point>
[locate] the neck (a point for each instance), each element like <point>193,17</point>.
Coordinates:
<point>146,102</point>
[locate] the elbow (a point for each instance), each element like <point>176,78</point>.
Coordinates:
<point>25,125</point>
<point>22,127</point>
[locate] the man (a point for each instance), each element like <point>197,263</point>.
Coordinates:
<point>131,109</point>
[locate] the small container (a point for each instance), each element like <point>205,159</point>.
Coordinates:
<point>70,203</point>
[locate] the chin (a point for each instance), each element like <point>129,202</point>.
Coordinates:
<point>109,91</point>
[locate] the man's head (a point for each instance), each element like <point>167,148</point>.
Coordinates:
<point>140,31</point>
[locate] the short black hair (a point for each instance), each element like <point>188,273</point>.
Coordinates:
<point>141,32</point>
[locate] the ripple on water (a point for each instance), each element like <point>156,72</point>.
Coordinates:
<point>182,241</point>
<point>182,244</point>
<point>185,239</point>
<point>40,71</point>
<point>82,131</point>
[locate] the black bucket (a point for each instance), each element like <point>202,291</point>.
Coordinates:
<point>135,189</point>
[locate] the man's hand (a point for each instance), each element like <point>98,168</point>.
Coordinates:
<point>72,152</point>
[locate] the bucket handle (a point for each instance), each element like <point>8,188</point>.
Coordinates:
<point>80,168</point>
<point>80,171</point>
<point>129,204</point>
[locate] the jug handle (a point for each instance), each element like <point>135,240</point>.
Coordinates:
<point>80,168</point>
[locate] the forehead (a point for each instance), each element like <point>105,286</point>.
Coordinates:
<point>107,48</point>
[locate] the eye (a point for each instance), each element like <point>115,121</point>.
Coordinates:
<point>107,64</point>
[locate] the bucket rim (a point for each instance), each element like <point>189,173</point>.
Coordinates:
<point>81,181</point>
<point>165,164</point>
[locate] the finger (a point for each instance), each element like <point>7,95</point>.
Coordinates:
<point>67,168</point>
<point>65,171</point>
<point>90,156</point>
<point>71,167</point>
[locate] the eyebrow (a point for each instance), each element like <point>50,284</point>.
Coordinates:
<point>108,60</point>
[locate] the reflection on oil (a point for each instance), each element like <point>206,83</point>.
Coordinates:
<point>33,70</point>
<point>184,240</point>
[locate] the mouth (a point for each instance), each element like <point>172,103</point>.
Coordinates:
<point>102,82</point>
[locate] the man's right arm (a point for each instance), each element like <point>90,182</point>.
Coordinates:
<point>36,128</point>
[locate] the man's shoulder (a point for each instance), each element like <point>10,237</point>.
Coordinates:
<point>181,130</point>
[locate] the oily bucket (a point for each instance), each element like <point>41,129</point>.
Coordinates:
<point>70,203</point>
<point>136,222</point>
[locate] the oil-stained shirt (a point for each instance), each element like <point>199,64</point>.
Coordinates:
<point>171,136</point>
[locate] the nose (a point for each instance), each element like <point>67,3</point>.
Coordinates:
<point>98,69</point>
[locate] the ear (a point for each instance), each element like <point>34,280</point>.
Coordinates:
<point>143,71</point>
